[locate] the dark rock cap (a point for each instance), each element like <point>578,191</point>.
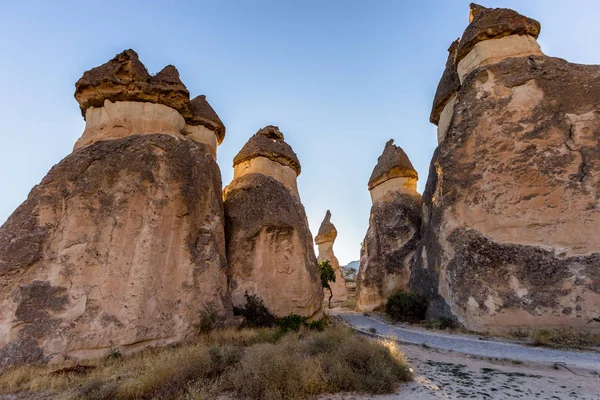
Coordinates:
<point>204,114</point>
<point>494,23</point>
<point>327,231</point>
<point>269,142</point>
<point>125,78</point>
<point>393,163</point>
<point>449,84</point>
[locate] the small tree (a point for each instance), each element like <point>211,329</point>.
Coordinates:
<point>327,275</point>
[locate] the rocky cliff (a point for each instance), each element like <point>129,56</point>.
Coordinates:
<point>122,244</point>
<point>269,244</point>
<point>324,241</point>
<point>511,206</point>
<point>393,233</point>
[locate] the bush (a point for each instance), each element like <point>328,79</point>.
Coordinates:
<point>294,322</point>
<point>209,318</point>
<point>255,314</point>
<point>248,363</point>
<point>336,360</point>
<point>406,306</point>
<point>327,274</point>
<point>565,338</point>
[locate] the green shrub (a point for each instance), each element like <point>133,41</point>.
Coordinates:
<point>255,314</point>
<point>292,322</point>
<point>327,274</point>
<point>317,325</point>
<point>209,318</point>
<point>406,306</point>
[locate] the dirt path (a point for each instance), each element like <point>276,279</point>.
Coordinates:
<point>454,366</point>
<point>442,374</point>
<point>472,345</point>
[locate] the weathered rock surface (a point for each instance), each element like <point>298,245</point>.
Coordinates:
<point>120,98</point>
<point>511,206</point>
<point>269,244</point>
<point>445,95</point>
<point>125,78</point>
<point>120,246</point>
<point>393,232</point>
<point>324,241</point>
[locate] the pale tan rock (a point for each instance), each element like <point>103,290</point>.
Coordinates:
<point>324,241</point>
<point>268,167</point>
<point>125,118</point>
<point>393,233</point>
<point>120,246</point>
<point>269,244</point>
<point>509,235</point>
<point>495,50</point>
<point>202,134</point>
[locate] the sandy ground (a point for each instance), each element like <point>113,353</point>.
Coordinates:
<point>441,374</point>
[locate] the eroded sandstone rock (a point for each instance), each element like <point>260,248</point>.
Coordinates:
<point>269,244</point>
<point>122,244</point>
<point>393,232</point>
<point>324,241</point>
<point>509,235</point>
<point>120,98</point>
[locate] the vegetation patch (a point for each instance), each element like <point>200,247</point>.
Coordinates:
<point>406,307</point>
<point>565,338</point>
<point>256,363</point>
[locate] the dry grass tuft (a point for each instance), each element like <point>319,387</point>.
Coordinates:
<point>247,363</point>
<point>565,338</point>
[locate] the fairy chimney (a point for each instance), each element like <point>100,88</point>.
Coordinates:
<point>510,216</point>
<point>324,241</point>
<point>122,244</point>
<point>269,244</point>
<point>393,231</point>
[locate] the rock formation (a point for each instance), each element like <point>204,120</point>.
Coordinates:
<point>120,98</point>
<point>324,241</point>
<point>511,212</point>
<point>269,245</point>
<point>122,244</point>
<point>393,232</point>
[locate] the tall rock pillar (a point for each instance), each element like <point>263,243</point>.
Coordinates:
<point>122,244</point>
<point>269,244</point>
<point>510,221</point>
<point>324,241</point>
<point>393,233</point>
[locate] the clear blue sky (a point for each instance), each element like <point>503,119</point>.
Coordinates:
<point>339,78</point>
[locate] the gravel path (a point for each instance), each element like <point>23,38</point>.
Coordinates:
<point>472,345</point>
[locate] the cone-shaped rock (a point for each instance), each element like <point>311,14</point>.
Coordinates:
<point>324,241</point>
<point>393,231</point>
<point>269,245</point>
<point>510,223</point>
<point>120,246</point>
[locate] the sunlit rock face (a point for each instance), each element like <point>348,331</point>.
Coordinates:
<point>393,233</point>
<point>122,244</point>
<point>510,215</point>
<point>324,241</point>
<point>269,244</point>
<point>120,98</point>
